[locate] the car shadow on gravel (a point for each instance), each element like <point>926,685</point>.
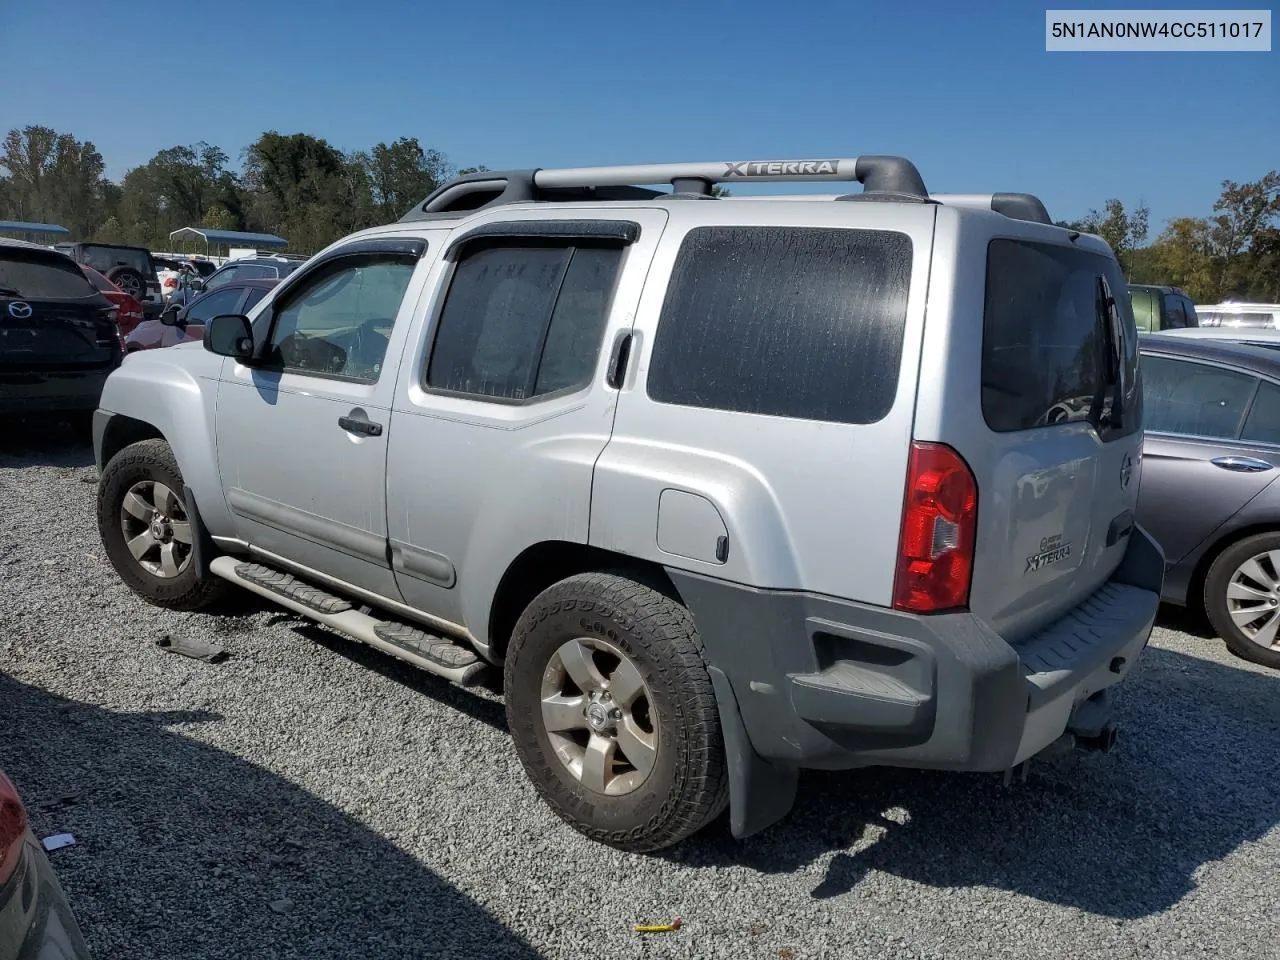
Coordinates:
<point>46,442</point>
<point>210,856</point>
<point>470,702</point>
<point>1122,835</point>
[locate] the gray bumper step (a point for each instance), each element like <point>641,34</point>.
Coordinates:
<point>438,655</point>
<point>436,649</point>
<point>287,585</point>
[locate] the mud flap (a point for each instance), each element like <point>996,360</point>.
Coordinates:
<point>760,793</point>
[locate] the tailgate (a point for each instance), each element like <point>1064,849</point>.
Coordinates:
<point>1062,401</point>
<point>36,333</point>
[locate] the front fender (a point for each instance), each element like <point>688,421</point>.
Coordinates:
<point>174,390</point>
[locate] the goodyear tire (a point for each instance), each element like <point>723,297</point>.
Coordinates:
<point>613,714</point>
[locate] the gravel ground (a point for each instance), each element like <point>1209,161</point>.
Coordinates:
<point>311,798</point>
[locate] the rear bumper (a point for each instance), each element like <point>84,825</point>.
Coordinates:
<point>52,391</point>
<point>814,682</point>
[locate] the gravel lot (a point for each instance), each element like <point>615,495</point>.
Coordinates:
<point>312,798</point>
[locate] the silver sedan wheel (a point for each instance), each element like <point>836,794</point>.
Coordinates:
<point>156,530</point>
<point>599,716</point>
<point>1253,599</point>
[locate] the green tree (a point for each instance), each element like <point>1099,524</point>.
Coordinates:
<point>402,174</point>
<point>1123,230</point>
<point>52,177</point>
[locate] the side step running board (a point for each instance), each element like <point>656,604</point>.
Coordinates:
<point>437,655</point>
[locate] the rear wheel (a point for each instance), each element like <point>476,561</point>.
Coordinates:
<point>613,714</point>
<point>1242,598</point>
<point>130,281</point>
<point>146,532</point>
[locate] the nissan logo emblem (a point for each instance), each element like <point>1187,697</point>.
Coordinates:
<point>19,310</point>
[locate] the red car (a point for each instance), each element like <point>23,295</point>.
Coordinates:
<point>129,309</point>
<point>35,920</point>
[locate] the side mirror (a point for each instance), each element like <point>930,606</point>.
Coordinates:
<point>230,335</point>
<point>195,283</point>
<point>170,315</point>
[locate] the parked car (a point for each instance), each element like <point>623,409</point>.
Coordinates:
<point>1247,315</point>
<point>178,324</point>
<point>1208,495</point>
<point>35,919</point>
<point>248,268</point>
<point>58,334</point>
<point>128,310</point>
<point>129,268</point>
<point>708,480</point>
<point>1258,336</point>
<point>1161,308</point>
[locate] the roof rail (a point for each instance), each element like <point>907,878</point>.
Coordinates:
<point>1015,206</point>
<point>879,175</point>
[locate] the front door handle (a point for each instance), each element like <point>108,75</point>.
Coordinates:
<point>1241,464</point>
<point>361,425</point>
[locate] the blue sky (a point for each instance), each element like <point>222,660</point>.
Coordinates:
<point>966,91</point>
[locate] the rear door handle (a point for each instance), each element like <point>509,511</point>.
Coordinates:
<point>1241,464</point>
<point>360,425</point>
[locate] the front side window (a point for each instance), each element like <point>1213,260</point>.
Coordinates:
<point>338,322</point>
<point>795,322</point>
<point>1058,346</point>
<point>523,320</point>
<point>221,277</point>
<point>256,271</point>
<point>214,305</point>
<point>1190,399</point>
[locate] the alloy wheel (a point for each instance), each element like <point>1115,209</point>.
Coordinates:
<point>156,530</point>
<point>599,716</point>
<point>1253,599</point>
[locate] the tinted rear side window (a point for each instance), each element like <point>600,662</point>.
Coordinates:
<point>42,277</point>
<point>788,322</point>
<point>1045,339</point>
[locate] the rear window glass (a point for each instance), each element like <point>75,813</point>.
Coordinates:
<point>105,259</point>
<point>1044,358</point>
<point>42,278</point>
<point>788,322</point>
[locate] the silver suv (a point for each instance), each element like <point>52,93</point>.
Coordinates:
<point>728,487</point>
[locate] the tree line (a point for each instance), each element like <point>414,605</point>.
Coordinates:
<point>305,189</point>
<point>1234,253</point>
<point>295,185</point>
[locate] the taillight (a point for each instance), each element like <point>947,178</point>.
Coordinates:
<point>13,827</point>
<point>939,525</point>
<point>170,283</point>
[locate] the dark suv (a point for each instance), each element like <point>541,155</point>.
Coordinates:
<point>1161,308</point>
<point>129,268</point>
<point>58,334</point>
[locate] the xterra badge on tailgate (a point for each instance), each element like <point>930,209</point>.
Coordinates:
<point>1052,549</point>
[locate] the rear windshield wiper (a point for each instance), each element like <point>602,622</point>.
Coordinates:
<point>10,292</point>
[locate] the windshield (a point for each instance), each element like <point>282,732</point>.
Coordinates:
<point>42,278</point>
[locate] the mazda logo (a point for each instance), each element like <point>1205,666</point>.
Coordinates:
<point>19,310</point>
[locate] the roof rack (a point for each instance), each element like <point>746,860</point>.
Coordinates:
<point>882,178</point>
<point>1015,206</point>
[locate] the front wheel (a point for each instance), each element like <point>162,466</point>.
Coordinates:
<point>1242,598</point>
<point>613,713</point>
<point>145,530</point>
